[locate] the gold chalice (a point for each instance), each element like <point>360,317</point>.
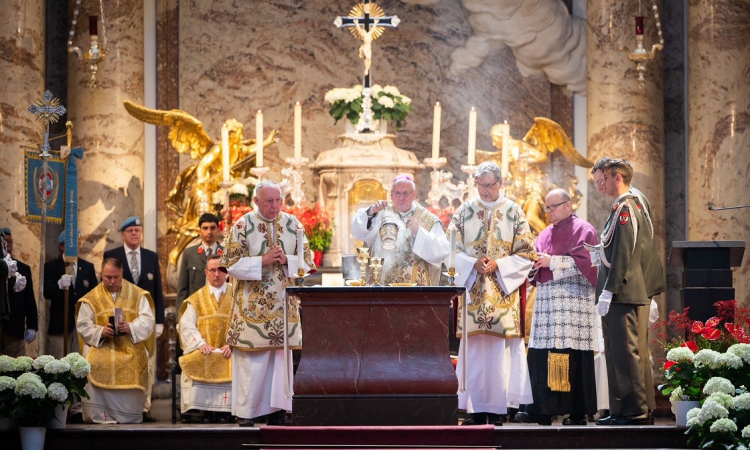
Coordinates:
<point>376,264</point>
<point>363,254</point>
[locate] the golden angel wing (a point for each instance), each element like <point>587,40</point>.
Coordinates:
<point>547,136</point>
<point>185,131</point>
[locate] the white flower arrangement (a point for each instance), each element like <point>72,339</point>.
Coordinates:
<point>31,384</point>
<point>723,399</point>
<point>746,432</point>
<point>57,366</point>
<point>58,392</point>
<point>729,360</point>
<point>723,426</point>
<point>679,354</point>
<point>741,402</point>
<point>41,361</point>
<point>718,384</point>
<point>7,383</point>
<point>740,350</point>
<point>387,104</point>
<point>79,366</point>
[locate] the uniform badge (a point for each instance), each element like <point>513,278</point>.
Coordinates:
<point>150,276</point>
<point>614,207</point>
<point>624,217</point>
<point>85,283</point>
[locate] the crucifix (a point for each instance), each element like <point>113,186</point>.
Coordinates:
<point>47,109</point>
<point>366,21</point>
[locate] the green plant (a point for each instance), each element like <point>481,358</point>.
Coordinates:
<point>387,104</point>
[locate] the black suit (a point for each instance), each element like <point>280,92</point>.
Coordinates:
<point>22,305</point>
<point>85,282</point>
<point>149,279</point>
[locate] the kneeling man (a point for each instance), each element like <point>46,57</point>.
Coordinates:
<point>206,383</point>
<point>118,349</point>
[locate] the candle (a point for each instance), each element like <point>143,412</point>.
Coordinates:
<point>452,258</point>
<point>472,135</point>
<point>225,151</point>
<point>639,25</point>
<point>436,131</point>
<point>93,25</point>
<point>259,139</point>
<point>300,247</point>
<point>506,148</point>
<point>297,130</point>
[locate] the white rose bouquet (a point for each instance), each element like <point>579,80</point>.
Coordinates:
<point>387,104</point>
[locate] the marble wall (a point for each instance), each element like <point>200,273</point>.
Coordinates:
<point>238,57</point>
<point>719,102</point>
<point>21,82</point>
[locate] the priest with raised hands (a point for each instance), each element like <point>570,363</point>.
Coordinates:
<point>206,382</point>
<point>263,251</point>
<point>408,237</point>
<point>115,323</point>
<point>495,253</point>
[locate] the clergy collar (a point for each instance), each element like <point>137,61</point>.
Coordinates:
<point>492,204</point>
<point>407,213</point>
<point>265,219</point>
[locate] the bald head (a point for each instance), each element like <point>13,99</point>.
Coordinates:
<point>557,206</point>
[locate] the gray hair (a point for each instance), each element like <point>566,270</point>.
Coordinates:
<point>489,167</point>
<point>266,183</point>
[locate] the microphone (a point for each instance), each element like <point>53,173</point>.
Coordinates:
<point>723,208</point>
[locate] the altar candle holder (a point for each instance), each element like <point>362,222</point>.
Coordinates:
<point>451,274</point>
<point>259,172</point>
<point>471,188</point>
<point>292,178</point>
<point>363,254</point>
<point>440,183</point>
<point>376,264</point>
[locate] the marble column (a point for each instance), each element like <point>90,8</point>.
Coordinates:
<point>111,173</point>
<point>719,118</point>
<point>21,82</point>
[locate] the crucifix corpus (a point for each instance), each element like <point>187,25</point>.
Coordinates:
<point>366,21</point>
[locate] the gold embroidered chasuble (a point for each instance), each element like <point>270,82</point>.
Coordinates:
<point>213,320</point>
<point>118,363</point>
<point>403,265</point>
<point>497,232</point>
<point>256,320</point>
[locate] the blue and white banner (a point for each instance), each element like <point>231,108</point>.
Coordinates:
<point>38,181</point>
<point>71,204</point>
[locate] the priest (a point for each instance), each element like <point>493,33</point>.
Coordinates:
<point>118,349</point>
<point>262,253</point>
<point>495,254</point>
<point>206,382</point>
<point>408,237</point>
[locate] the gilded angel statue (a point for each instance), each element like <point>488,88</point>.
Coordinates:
<point>530,167</point>
<point>194,187</point>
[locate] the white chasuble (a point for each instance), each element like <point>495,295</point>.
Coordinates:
<point>500,232</point>
<point>256,322</point>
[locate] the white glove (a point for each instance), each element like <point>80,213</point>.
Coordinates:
<point>605,298</point>
<point>20,283</point>
<point>159,329</point>
<point>30,336</point>
<point>12,265</point>
<point>653,313</point>
<point>65,281</point>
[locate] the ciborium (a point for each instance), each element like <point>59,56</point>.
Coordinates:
<point>363,254</point>
<point>376,264</point>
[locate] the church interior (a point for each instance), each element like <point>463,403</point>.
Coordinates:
<point>149,113</point>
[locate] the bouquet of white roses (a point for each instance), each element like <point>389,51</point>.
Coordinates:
<point>387,104</point>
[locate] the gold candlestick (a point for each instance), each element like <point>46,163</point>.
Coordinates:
<point>376,264</point>
<point>363,254</point>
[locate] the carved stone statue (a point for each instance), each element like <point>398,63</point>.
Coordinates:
<point>194,187</point>
<point>365,50</point>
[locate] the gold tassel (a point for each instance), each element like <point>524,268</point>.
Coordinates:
<point>558,368</point>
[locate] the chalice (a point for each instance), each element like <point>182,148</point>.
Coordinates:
<point>363,254</point>
<point>376,264</point>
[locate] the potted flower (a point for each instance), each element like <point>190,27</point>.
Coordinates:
<point>387,104</point>
<point>318,228</point>
<point>723,420</point>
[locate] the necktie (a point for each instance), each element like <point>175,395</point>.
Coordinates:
<point>208,252</point>
<point>134,266</point>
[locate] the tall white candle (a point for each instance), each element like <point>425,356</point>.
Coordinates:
<point>297,130</point>
<point>225,151</point>
<point>436,131</point>
<point>472,135</point>
<point>259,139</point>
<point>452,258</point>
<point>300,247</point>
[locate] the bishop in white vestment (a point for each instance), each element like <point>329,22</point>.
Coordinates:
<point>495,254</point>
<point>408,237</point>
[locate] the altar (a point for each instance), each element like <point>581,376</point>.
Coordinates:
<point>375,355</point>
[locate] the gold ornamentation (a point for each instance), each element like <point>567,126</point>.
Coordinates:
<point>558,370</point>
<point>375,12</point>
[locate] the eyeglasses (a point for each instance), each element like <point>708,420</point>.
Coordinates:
<point>404,194</point>
<point>551,208</point>
<point>486,186</point>
<point>214,270</point>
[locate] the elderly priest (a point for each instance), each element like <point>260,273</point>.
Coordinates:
<point>115,324</point>
<point>206,382</point>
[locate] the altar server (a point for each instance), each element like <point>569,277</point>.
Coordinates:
<point>118,350</point>
<point>408,237</point>
<point>261,255</point>
<point>495,255</point>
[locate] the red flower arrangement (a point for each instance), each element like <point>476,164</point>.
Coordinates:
<point>444,214</point>
<point>317,225</point>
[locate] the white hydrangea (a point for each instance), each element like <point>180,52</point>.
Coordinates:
<point>358,88</point>
<point>386,101</point>
<point>718,384</point>
<point>393,90</point>
<point>723,399</point>
<point>729,360</point>
<point>706,358</point>
<point>24,363</point>
<point>79,367</point>
<point>57,366</point>
<point>238,188</point>
<point>42,360</point>
<point>376,90</point>
<point>405,100</point>
<point>7,364</point>
<point>57,392</point>
<point>693,413</point>
<point>723,426</point>
<point>679,354</point>
<point>709,411</point>
<point>8,383</point>
<point>741,402</point>
<point>741,351</point>
<point>30,384</point>
<point>746,432</point>
<point>676,395</point>
<point>337,94</point>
